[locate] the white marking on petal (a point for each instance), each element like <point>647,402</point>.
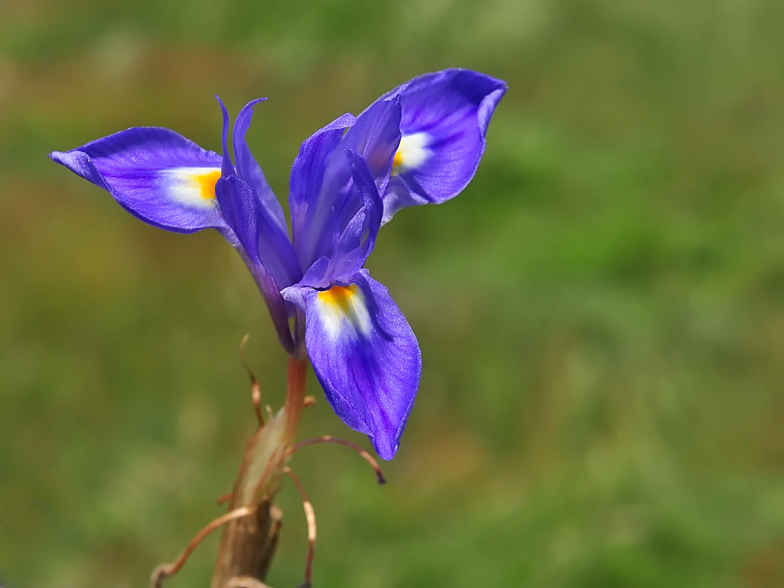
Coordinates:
<point>411,153</point>
<point>192,186</point>
<point>341,307</point>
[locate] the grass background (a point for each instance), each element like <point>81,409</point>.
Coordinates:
<point>601,312</point>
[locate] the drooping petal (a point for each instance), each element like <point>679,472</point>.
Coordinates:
<point>241,211</point>
<point>317,187</point>
<point>443,125</point>
<point>156,174</point>
<point>365,356</point>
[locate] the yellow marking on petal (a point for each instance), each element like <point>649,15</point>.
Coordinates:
<point>342,304</point>
<point>207,183</point>
<point>339,297</point>
<point>397,161</point>
<point>193,187</point>
<point>411,153</point>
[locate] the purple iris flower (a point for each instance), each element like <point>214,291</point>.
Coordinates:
<point>420,143</point>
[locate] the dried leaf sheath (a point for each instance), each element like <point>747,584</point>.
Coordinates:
<point>248,545</point>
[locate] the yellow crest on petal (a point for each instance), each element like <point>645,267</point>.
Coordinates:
<point>344,305</point>
<point>207,183</point>
<point>411,153</point>
<point>192,186</point>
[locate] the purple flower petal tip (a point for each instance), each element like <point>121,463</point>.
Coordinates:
<point>154,173</point>
<point>443,126</point>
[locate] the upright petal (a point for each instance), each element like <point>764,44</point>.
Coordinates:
<point>350,246</point>
<point>364,354</point>
<point>241,211</point>
<point>256,231</point>
<point>249,169</point>
<point>156,174</point>
<point>361,231</point>
<point>272,245</point>
<point>376,136</point>
<point>227,165</point>
<point>320,178</point>
<point>443,125</point>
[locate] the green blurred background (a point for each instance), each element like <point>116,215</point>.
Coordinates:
<point>601,312</point>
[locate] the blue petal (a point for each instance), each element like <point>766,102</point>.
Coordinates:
<point>227,167</point>
<point>351,246</point>
<point>269,242</point>
<point>240,211</point>
<point>156,174</point>
<point>250,171</point>
<point>376,136</point>
<point>443,125</point>
<point>243,214</point>
<point>318,187</point>
<point>359,235</point>
<point>365,356</point>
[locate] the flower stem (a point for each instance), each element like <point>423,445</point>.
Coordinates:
<point>248,545</point>
<point>295,397</point>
